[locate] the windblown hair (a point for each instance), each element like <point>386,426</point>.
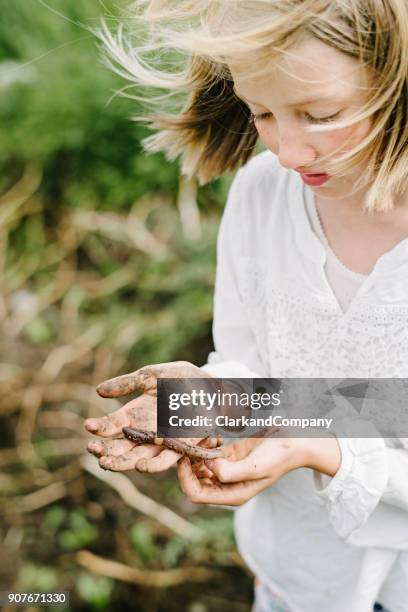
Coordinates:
<point>185,47</point>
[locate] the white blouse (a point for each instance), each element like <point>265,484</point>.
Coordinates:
<point>323,544</point>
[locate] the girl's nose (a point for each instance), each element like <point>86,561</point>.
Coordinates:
<point>289,146</point>
<point>294,153</point>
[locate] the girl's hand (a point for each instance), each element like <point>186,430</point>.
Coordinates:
<point>253,464</point>
<point>117,453</point>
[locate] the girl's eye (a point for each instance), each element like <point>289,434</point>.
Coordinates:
<point>322,119</point>
<point>263,116</point>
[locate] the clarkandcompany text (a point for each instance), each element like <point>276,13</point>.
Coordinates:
<point>222,420</point>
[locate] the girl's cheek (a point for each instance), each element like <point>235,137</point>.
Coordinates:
<point>268,137</point>
<point>349,137</point>
<point>333,141</point>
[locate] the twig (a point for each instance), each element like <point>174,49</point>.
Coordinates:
<point>121,228</point>
<point>11,400</point>
<point>63,278</point>
<point>52,448</point>
<point>22,484</point>
<point>63,391</point>
<point>32,398</point>
<point>62,355</point>
<point>149,578</point>
<point>101,287</point>
<point>42,497</point>
<point>135,499</point>
<point>60,419</point>
<point>19,193</point>
<point>102,368</point>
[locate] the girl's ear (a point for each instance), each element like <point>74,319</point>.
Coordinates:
<point>213,133</point>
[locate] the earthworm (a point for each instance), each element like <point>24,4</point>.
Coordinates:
<point>195,452</point>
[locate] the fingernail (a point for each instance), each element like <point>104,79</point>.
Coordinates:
<point>103,388</point>
<point>94,447</point>
<point>141,465</point>
<point>105,463</point>
<point>91,425</point>
<point>116,387</point>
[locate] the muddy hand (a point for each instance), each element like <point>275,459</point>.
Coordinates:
<point>118,453</point>
<point>144,380</point>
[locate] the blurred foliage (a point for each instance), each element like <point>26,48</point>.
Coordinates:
<point>95,591</point>
<point>216,535</point>
<point>54,109</point>
<point>107,261</point>
<point>58,121</point>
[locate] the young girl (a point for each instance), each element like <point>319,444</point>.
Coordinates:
<point>312,274</point>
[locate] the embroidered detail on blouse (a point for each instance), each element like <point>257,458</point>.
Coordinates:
<point>300,334</point>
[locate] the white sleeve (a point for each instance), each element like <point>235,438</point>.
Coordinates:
<point>367,499</point>
<point>396,492</point>
<point>236,354</point>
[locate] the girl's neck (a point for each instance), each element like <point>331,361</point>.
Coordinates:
<point>348,210</point>
<point>357,238</point>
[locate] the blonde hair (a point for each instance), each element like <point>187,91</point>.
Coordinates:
<point>185,47</point>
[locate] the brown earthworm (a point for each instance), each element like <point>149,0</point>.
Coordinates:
<point>194,452</point>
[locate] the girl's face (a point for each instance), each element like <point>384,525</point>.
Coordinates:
<point>283,105</point>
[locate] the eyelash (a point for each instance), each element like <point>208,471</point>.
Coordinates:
<point>254,118</point>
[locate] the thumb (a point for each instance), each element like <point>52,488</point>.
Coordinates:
<point>234,471</point>
<point>143,380</point>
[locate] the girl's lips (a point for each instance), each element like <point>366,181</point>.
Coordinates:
<point>314,179</point>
